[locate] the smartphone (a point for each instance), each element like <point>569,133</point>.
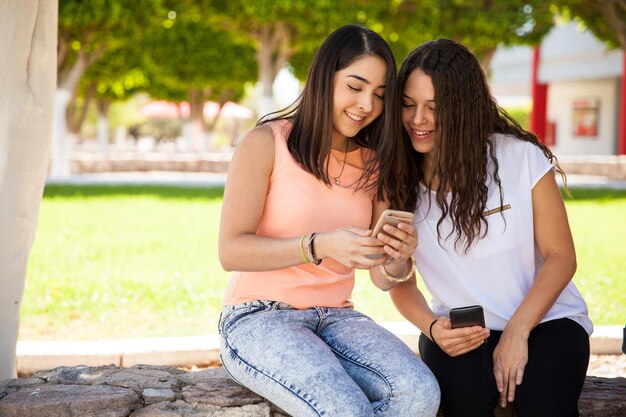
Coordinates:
<point>393,217</point>
<point>467,317</point>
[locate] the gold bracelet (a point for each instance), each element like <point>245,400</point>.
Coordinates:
<point>304,258</point>
<point>406,277</point>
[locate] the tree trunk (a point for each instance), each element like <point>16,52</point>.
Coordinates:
<point>272,53</point>
<point>103,124</point>
<point>76,117</point>
<point>196,117</point>
<point>28,30</point>
<point>67,82</point>
<point>485,61</point>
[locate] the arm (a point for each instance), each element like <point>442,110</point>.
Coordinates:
<point>351,245</point>
<point>555,243</point>
<point>411,303</point>
<point>244,199</point>
<point>397,251</point>
<point>247,183</point>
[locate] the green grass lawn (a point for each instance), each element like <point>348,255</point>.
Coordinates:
<point>141,261</point>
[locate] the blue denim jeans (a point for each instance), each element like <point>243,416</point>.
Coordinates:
<point>332,362</point>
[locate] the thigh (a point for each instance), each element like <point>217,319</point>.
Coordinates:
<point>393,377</point>
<point>468,387</point>
<point>558,355</point>
<point>277,354</point>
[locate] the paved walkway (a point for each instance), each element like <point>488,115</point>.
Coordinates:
<point>201,350</point>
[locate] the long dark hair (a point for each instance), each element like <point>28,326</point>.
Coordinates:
<point>310,139</point>
<point>466,117</point>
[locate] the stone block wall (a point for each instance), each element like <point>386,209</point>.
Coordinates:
<point>163,391</point>
<point>610,166</point>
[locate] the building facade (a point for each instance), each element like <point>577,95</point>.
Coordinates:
<point>575,83</point>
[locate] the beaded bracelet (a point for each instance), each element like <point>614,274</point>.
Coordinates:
<point>314,259</point>
<point>406,277</point>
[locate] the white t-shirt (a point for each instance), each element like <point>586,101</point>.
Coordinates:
<point>499,269</point>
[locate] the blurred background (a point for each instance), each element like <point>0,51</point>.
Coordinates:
<point>154,95</point>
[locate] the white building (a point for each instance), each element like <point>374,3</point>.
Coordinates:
<point>582,89</point>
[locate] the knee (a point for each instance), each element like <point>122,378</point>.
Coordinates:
<point>343,404</point>
<point>356,409</point>
<point>417,392</point>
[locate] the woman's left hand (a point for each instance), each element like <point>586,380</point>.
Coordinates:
<point>509,361</point>
<point>401,246</point>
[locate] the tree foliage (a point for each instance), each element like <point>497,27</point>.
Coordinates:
<point>605,18</point>
<point>287,30</point>
<point>89,29</point>
<point>481,25</point>
<point>187,52</point>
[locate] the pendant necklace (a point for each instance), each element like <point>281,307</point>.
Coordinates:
<point>345,154</point>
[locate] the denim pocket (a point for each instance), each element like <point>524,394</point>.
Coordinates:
<point>231,315</point>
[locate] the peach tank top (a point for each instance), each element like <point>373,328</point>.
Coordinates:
<point>298,203</point>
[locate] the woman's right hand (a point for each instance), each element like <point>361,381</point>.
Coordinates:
<point>350,246</point>
<point>456,342</point>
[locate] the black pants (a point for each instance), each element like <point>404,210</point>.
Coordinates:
<point>558,356</point>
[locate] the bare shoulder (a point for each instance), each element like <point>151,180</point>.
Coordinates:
<point>256,148</point>
<point>258,138</point>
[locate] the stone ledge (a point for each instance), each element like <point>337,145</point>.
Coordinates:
<point>161,391</point>
<point>609,166</point>
<point>139,391</point>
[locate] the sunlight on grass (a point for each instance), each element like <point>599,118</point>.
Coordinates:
<point>598,222</point>
<point>132,261</point>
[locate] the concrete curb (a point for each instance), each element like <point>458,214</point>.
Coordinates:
<point>201,350</point>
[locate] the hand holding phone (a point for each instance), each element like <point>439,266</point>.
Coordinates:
<point>467,317</point>
<point>393,217</point>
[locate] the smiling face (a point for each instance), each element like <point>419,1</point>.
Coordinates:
<point>418,112</point>
<point>358,97</point>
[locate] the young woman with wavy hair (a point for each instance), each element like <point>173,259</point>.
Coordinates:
<point>493,232</point>
<point>301,194</point>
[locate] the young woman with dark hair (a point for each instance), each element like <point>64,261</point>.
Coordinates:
<point>302,191</point>
<point>493,232</point>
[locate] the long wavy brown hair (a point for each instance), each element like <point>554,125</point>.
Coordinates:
<point>466,117</point>
<point>310,139</point>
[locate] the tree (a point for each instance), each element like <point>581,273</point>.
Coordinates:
<point>189,57</point>
<point>480,25</point>
<point>279,29</point>
<point>605,18</point>
<point>87,30</point>
<point>115,77</point>
<point>27,86</point>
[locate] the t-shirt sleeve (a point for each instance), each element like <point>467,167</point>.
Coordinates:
<point>538,164</point>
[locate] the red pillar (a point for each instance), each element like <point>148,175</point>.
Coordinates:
<point>540,100</point>
<point>621,140</point>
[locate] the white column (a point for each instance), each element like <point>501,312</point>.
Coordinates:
<point>28,39</point>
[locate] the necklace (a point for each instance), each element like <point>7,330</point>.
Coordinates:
<point>343,165</point>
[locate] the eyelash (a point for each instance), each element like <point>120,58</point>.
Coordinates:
<point>405,105</point>
<point>378,96</point>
